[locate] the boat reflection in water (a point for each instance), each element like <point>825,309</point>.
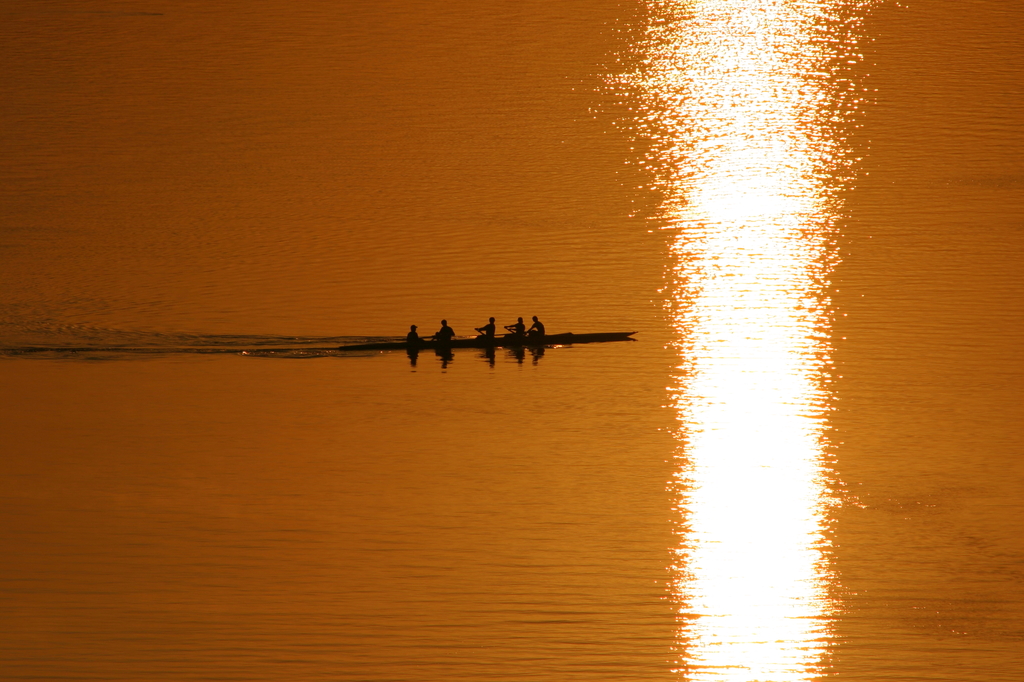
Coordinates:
<point>446,355</point>
<point>745,102</point>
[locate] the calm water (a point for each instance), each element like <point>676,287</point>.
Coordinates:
<point>808,466</point>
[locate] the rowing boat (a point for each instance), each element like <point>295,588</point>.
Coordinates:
<point>506,341</point>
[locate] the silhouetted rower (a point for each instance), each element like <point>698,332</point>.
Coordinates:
<point>517,329</point>
<point>537,330</point>
<point>412,339</point>
<point>445,333</point>
<point>487,331</point>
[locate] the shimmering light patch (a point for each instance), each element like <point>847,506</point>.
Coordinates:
<point>745,101</point>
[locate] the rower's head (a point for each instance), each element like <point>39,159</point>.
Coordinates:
<point>444,323</point>
<point>491,320</point>
<point>535,319</point>
<point>412,327</point>
<point>520,320</point>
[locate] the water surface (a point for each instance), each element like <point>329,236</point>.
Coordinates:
<point>196,197</point>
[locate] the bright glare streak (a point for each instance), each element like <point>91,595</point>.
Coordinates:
<point>743,99</point>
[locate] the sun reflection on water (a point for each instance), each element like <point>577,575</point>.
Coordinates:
<point>745,103</point>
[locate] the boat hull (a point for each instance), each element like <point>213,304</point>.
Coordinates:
<point>506,341</point>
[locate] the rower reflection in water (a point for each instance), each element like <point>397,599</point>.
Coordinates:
<point>445,333</point>
<point>519,353</point>
<point>445,355</point>
<point>414,354</point>
<point>488,355</point>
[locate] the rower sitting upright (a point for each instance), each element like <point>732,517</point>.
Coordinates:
<point>517,329</point>
<point>487,331</point>
<point>412,339</point>
<point>445,333</point>
<point>537,330</point>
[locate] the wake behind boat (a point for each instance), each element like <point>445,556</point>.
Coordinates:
<point>505,341</point>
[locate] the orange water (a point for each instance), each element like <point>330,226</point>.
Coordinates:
<point>180,177</point>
